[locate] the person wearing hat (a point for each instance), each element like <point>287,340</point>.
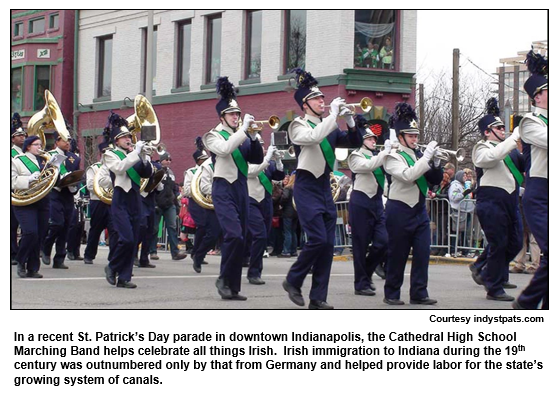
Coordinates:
<point>77,225</point>
<point>499,168</point>
<point>33,218</point>
<point>127,164</point>
<point>315,138</point>
<point>61,206</point>
<point>535,201</point>
<point>166,206</point>
<point>18,136</point>
<point>366,209</point>
<point>261,208</point>
<point>232,147</point>
<point>99,211</point>
<point>407,221</point>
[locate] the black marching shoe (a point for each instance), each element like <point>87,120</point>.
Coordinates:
<point>146,264</point>
<point>380,272</point>
<point>72,257</point>
<point>319,305</point>
<point>223,290</point>
<point>45,258</point>
<point>503,297</point>
<point>256,281</point>
<point>14,262</point>
<point>88,261</point>
<point>294,293</point>
<point>110,275</point>
<point>365,292</point>
<point>179,255</point>
<point>426,301</point>
<point>238,296</point>
<point>204,263</point>
<point>197,268</point>
<point>393,302</point>
<point>34,275</point>
<point>21,270</point>
<point>60,266</point>
<point>125,284</point>
<point>509,285</point>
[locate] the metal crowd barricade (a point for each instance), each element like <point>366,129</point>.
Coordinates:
<point>343,230</point>
<point>439,217</point>
<point>467,229</point>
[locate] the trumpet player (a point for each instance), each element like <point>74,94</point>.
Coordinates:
<point>232,148</point>
<point>366,210</point>
<point>261,209</point>
<point>499,169</point>
<point>315,139</point>
<point>61,206</point>
<point>407,221</point>
<point>127,164</point>
<point>18,137</point>
<point>99,212</point>
<point>33,218</point>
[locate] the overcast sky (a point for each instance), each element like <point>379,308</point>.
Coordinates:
<point>482,36</point>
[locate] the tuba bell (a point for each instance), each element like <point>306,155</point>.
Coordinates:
<point>104,192</point>
<point>205,201</point>
<point>39,188</point>
<point>144,116</point>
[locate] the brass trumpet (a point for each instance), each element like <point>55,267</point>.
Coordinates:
<point>446,155</point>
<point>273,122</point>
<point>366,104</point>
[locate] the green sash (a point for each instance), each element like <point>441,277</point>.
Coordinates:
<point>63,169</point>
<point>237,155</point>
<point>378,173</point>
<point>543,118</point>
<point>14,152</point>
<point>513,169</point>
<point>132,173</point>
<point>193,171</point>
<point>421,182</point>
<point>327,150</point>
<point>30,165</point>
<point>265,182</point>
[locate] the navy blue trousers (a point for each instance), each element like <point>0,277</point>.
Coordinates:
<point>317,215</point>
<point>34,222</point>
<point>100,214</point>
<point>536,205</point>
<point>499,217</point>
<point>259,224</point>
<point>407,227</point>
<point>14,224</point>
<point>61,210</point>
<point>146,229</point>
<point>231,208</point>
<point>366,217</point>
<point>126,211</point>
<point>207,232</point>
<point>198,214</point>
<point>75,232</point>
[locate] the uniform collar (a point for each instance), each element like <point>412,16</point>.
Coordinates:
<point>121,149</point>
<point>18,149</point>
<point>312,118</point>
<point>541,111</point>
<point>59,151</point>
<point>32,157</point>
<point>407,150</point>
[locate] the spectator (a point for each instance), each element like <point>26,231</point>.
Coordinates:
<point>276,233</point>
<point>386,53</point>
<point>188,226</point>
<point>369,57</point>
<point>450,169</point>
<point>289,216</point>
<point>519,264</point>
<point>461,206</point>
<point>439,211</point>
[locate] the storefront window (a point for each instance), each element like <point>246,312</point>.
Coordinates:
<point>374,39</point>
<point>16,78</point>
<point>296,39</point>
<point>42,82</point>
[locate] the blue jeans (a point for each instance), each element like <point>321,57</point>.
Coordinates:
<point>170,217</point>
<point>289,236</point>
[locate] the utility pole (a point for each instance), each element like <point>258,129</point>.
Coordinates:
<point>455,98</point>
<point>421,112</point>
<point>149,57</point>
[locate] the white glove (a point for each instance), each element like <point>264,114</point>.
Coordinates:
<point>335,106</point>
<point>34,176</point>
<point>279,164</point>
<point>160,186</point>
<point>516,134</point>
<point>139,146</point>
<point>247,120</point>
<point>270,152</point>
<point>348,117</point>
<point>430,150</point>
<point>387,145</point>
<point>436,162</point>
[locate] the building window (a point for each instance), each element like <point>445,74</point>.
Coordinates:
<point>18,29</point>
<point>213,49</point>
<point>295,39</point>
<point>524,100</point>
<point>375,39</point>
<point>53,21</point>
<point>183,55</point>
<point>16,91</point>
<point>42,83</point>
<point>37,26</point>
<point>104,67</point>
<point>254,44</point>
<point>153,58</point>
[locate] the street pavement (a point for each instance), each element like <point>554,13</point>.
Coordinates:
<point>175,285</point>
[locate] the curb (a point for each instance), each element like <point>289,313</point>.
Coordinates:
<point>432,259</point>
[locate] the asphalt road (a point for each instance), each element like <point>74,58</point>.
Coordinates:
<point>175,285</point>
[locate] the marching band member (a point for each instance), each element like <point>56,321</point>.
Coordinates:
<point>314,139</point>
<point>99,211</point>
<point>499,177</point>
<point>534,134</point>
<point>75,231</point>
<point>231,150</point>
<point>127,164</point>
<point>18,137</point>
<point>33,218</point>
<point>366,210</point>
<point>147,222</point>
<point>207,217</point>
<point>407,221</point>
<point>61,207</point>
<point>261,210</point>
